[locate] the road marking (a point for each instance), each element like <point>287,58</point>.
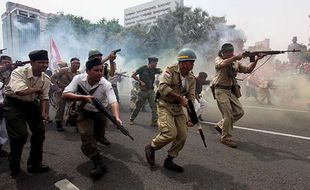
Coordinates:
<point>278,109</point>
<point>264,131</point>
<point>65,184</point>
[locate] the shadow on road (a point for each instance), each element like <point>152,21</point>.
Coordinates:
<point>268,154</point>
<point>203,178</point>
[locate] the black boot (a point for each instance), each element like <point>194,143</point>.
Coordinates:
<point>99,168</point>
<point>150,154</point>
<point>59,126</point>
<point>104,141</point>
<point>170,165</point>
<point>37,168</point>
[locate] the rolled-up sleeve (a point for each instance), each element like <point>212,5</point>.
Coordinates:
<point>73,86</point>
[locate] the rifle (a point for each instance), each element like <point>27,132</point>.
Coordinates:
<point>117,50</point>
<point>1,50</point>
<point>194,119</point>
<point>121,74</point>
<point>100,107</point>
<point>252,55</point>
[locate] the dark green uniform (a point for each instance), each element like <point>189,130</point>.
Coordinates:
<point>146,92</point>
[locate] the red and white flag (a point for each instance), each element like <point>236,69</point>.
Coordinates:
<point>55,57</point>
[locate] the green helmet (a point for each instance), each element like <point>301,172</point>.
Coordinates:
<point>93,53</point>
<point>186,54</point>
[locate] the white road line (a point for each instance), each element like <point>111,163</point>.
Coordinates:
<point>65,184</point>
<point>264,131</point>
<point>278,109</point>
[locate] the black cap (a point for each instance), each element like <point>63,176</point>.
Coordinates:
<point>153,59</point>
<point>74,59</point>
<point>38,55</point>
<point>203,74</point>
<point>92,63</point>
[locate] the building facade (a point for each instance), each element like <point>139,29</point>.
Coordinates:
<point>21,28</point>
<point>147,13</point>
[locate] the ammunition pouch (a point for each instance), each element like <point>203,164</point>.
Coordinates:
<point>235,89</point>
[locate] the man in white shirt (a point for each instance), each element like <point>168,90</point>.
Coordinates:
<point>90,121</point>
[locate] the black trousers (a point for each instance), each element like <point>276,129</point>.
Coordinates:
<point>19,115</point>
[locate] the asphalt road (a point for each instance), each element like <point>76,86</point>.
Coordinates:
<point>263,160</point>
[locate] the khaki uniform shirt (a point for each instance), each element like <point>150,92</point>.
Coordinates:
<point>63,77</point>
<point>225,75</point>
<point>22,78</point>
<point>172,81</point>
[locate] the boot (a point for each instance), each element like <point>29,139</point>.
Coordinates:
<point>33,168</point>
<point>104,141</point>
<point>228,142</point>
<point>150,154</point>
<point>99,168</point>
<point>59,126</point>
<point>170,165</point>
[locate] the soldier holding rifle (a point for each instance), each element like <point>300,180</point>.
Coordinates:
<point>176,86</point>
<point>90,119</point>
<point>226,91</point>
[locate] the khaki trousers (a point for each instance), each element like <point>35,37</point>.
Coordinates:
<point>231,110</point>
<point>173,128</point>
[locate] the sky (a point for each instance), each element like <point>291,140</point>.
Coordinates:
<point>278,20</point>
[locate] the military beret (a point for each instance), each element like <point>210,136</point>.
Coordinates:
<point>227,48</point>
<point>92,63</point>
<point>153,59</point>
<point>38,55</point>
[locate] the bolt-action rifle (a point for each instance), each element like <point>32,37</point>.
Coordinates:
<point>100,107</point>
<point>252,55</point>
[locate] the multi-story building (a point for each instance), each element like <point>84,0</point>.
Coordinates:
<point>21,27</point>
<point>147,13</point>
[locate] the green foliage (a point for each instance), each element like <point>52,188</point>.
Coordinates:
<point>183,27</point>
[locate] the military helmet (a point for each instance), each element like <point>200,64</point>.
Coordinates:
<point>186,54</point>
<point>93,53</point>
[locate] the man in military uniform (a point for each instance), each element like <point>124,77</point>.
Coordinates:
<point>5,64</point>
<point>25,103</point>
<point>6,68</point>
<point>146,92</point>
<point>90,122</point>
<point>176,87</point>
<point>226,91</point>
<point>61,79</point>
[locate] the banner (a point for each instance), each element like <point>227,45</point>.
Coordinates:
<point>55,57</point>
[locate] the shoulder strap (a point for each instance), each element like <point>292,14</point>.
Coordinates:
<point>82,105</point>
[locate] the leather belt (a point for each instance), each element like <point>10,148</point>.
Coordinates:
<point>223,87</point>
